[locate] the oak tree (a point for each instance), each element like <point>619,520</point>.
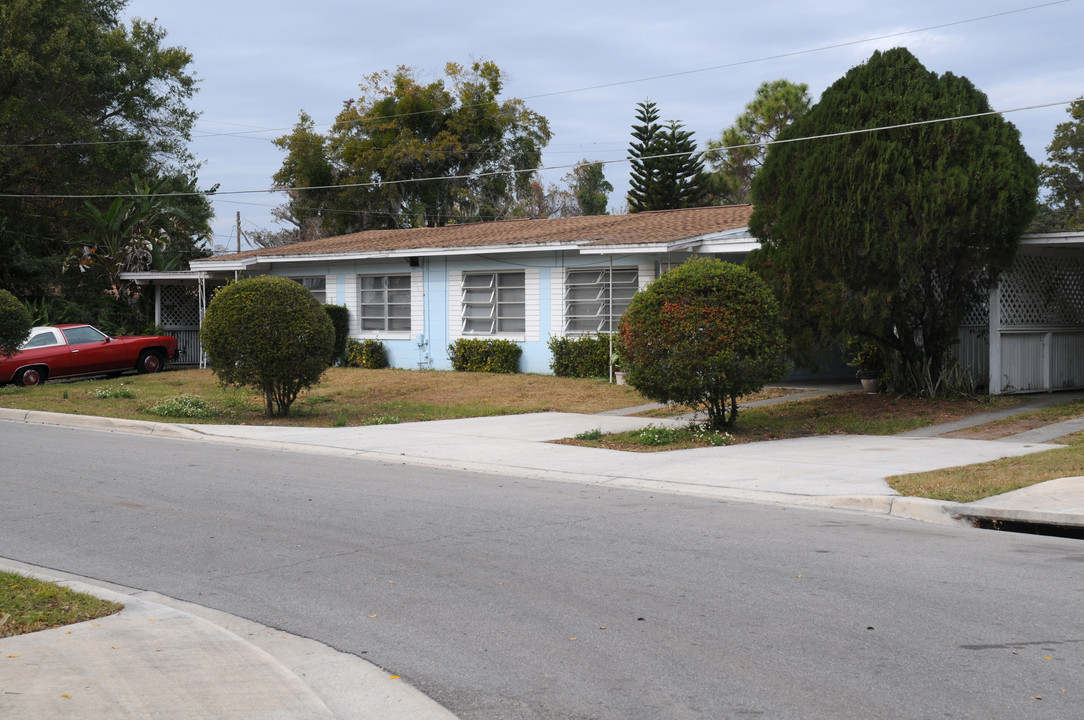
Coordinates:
<point>409,154</point>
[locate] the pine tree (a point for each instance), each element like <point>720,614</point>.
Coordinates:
<point>667,171</point>
<point>643,184</point>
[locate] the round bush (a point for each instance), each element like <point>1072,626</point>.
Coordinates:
<point>703,334</point>
<point>15,324</point>
<point>268,333</point>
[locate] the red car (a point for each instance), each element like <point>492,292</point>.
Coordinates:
<point>61,351</point>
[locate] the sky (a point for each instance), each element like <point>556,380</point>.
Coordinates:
<point>585,65</point>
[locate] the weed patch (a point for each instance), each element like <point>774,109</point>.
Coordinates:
<point>108,393</point>
<point>185,406</point>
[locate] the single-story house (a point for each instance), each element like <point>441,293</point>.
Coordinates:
<point>418,290</point>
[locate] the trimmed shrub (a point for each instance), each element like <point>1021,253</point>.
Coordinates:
<point>268,333</point>
<point>15,324</point>
<point>702,335</point>
<point>585,356</point>
<point>340,320</point>
<point>369,354</point>
<point>478,355</point>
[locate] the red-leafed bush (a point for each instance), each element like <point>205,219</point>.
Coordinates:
<point>702,335</point>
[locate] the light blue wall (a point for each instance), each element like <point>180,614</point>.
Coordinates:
<point>430,351</point>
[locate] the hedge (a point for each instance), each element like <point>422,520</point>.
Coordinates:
<point>369,354</point>
<point>585,356</point>
<point>478,355</point>
<point>340,320</point>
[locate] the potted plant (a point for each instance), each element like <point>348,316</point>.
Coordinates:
<point>869,360</point>
<point>615,362</point>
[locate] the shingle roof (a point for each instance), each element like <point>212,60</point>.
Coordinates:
<point>659,227</point>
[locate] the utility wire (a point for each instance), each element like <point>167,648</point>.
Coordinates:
<point>619,83</point>
<point>407,181</point>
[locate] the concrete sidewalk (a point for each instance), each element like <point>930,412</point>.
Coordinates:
<point>170,660</point>
<point>166,659</point>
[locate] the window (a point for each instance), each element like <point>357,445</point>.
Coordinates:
<point>316,285</point>
<point>41,339</point>
<point>83,335</point>
<point>587,298</point>
<point>384,302</point>
<point>494,303</point>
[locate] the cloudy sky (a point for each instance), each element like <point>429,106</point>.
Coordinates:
<point>584,65</point>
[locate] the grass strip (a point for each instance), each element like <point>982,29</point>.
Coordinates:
<point>28,605</point>
<point>975,482</point>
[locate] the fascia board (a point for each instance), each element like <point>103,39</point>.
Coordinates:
<point>642,248</point>
<point>152,276</point>
<point>381,255</point>
<point>1062,239</point>
<point>221,265</point>
<point>730,246</point>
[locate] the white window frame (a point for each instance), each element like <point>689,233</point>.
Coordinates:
<point>315,284</point>
<point>587,308</point>
<point>387,317</point>
<point>494,304</point>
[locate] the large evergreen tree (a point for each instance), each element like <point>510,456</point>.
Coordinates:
<point>646,144</point>
<point>86,102</point>
<point>406,154</point>
<point>667,171</point>
<point>892,235</point>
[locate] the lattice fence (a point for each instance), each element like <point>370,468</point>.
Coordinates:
<point>1043,291</point>
<point>978,315</point>
<point>180,306</point>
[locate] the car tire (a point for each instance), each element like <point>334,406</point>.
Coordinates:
<point>149,362</point>
<point>29,377</point>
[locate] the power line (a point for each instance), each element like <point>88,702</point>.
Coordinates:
<point>407,181</point>
<point>247,134</point>
<point>798,53</point>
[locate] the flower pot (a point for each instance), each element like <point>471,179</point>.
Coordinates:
<point>619,378</point>
<point>871,385</point>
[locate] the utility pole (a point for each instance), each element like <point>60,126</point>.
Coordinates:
<point>238,231</point>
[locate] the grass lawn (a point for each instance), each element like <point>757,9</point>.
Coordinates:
<point>345,397</point>
<point>844,414</point>
<point>975,482</point>
<point>28,605</point>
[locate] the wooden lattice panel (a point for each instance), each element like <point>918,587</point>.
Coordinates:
<point>979,314</point>
<point>1043,291</point>
<point>180,306</point>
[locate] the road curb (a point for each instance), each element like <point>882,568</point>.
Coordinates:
<point>94,422</point>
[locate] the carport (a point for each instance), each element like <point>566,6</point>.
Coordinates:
<point>1030,336</point>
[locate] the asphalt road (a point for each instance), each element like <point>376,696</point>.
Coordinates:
<point>505,598</point>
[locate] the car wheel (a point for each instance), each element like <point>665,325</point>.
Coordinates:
<point>29,377</point>
<point>149,362</point>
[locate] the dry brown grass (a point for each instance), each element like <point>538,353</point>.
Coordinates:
<point>974,482</point>
<point>344,397</point>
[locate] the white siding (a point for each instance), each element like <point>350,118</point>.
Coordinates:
<point>557,302</point>
<point>350,296</point>
<point>532,278</point>
<point>417,302</point>
<point>455,305</point>
<point>647,274</point>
